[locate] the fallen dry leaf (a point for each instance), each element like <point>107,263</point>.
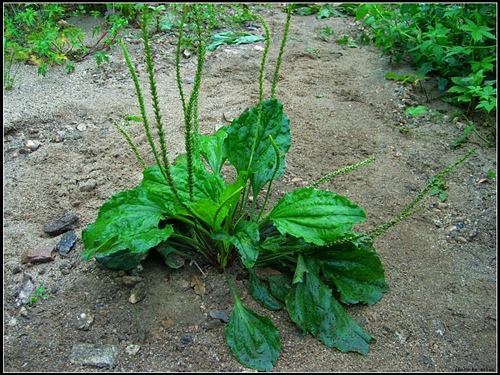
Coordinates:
<point>197,285</point>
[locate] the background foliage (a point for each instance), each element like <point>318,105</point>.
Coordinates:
<point>42,34</point>
<point>456,43</point>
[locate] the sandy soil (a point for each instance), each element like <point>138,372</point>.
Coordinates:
<point>440,312</point>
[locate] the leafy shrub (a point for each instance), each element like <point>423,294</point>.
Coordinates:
<point>455,42</point>
<point>39,35</point>
<point>187,208</point>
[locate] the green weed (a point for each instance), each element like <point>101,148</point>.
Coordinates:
<point>314,52</point>
<point>325,33</point>
<point>491,174</point>
<point>416,111</point>
<point>37,295</point>
<point>187,208</point>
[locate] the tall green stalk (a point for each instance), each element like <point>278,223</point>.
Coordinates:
<point>191,109</point>
<point>246,191</point>
<point>142,107</point>
<point>156,102</point>
<point>280,55</point>
<point>343,170</point>
<point>178,60</point>
<point>411,207</point>
<point>193,100</point>
<point>131,144</point>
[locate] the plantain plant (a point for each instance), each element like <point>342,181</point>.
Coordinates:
<point>187,208</point>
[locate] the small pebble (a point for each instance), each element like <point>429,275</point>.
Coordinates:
<point>137,294</point>
<point>33,145</point>
<point>401,337</point>
<point>88,185</point>
<point>132,349</point>
<point>473,233</point>
<point>451,228</point>
<point>442,205</point>
<point>81,127</point>
<point>23,312</point>
<point>25,293</point>
<point>60,135</point>
<point>186,339</point>
<point>84,321</point>
<point>438,327</point>
<point>219,315</point>
<point>438,223</point>
<point>461,239</point>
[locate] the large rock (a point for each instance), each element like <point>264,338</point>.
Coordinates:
<point>102,356</point>
<point>66,243</point>
<point>41,254</point>
<point>61,225</point>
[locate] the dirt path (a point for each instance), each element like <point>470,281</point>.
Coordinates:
<point>440,312</point>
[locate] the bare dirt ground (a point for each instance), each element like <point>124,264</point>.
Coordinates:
<point>440,312</point>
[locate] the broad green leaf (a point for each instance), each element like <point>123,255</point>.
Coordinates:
<point>478,32</point>
<point>205,209</point>
<point>300,270</point>
<point>213,150</point>
<point>241,136</point>
<point>285,244</point>
<point>416,111</point>
<point>233,37</point>
<point>121,260</point>
<point>129,220</point>
<point>279,286</point>
<point>170,255</point>
<point>454,50</point>
<point>313,308</point>
<point>487,105</point>
<point>305,10</point>
<point>213,213</point>
<point>206,185</point>
<point>261,294</point>
<point>327,11</point>
<point>253,339</point>
<point>317,216</point>
<point>356,271</point>
<point>231,194</point>
<point>486,64</point>
<point>363,10</point>
<point>245,238</point>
